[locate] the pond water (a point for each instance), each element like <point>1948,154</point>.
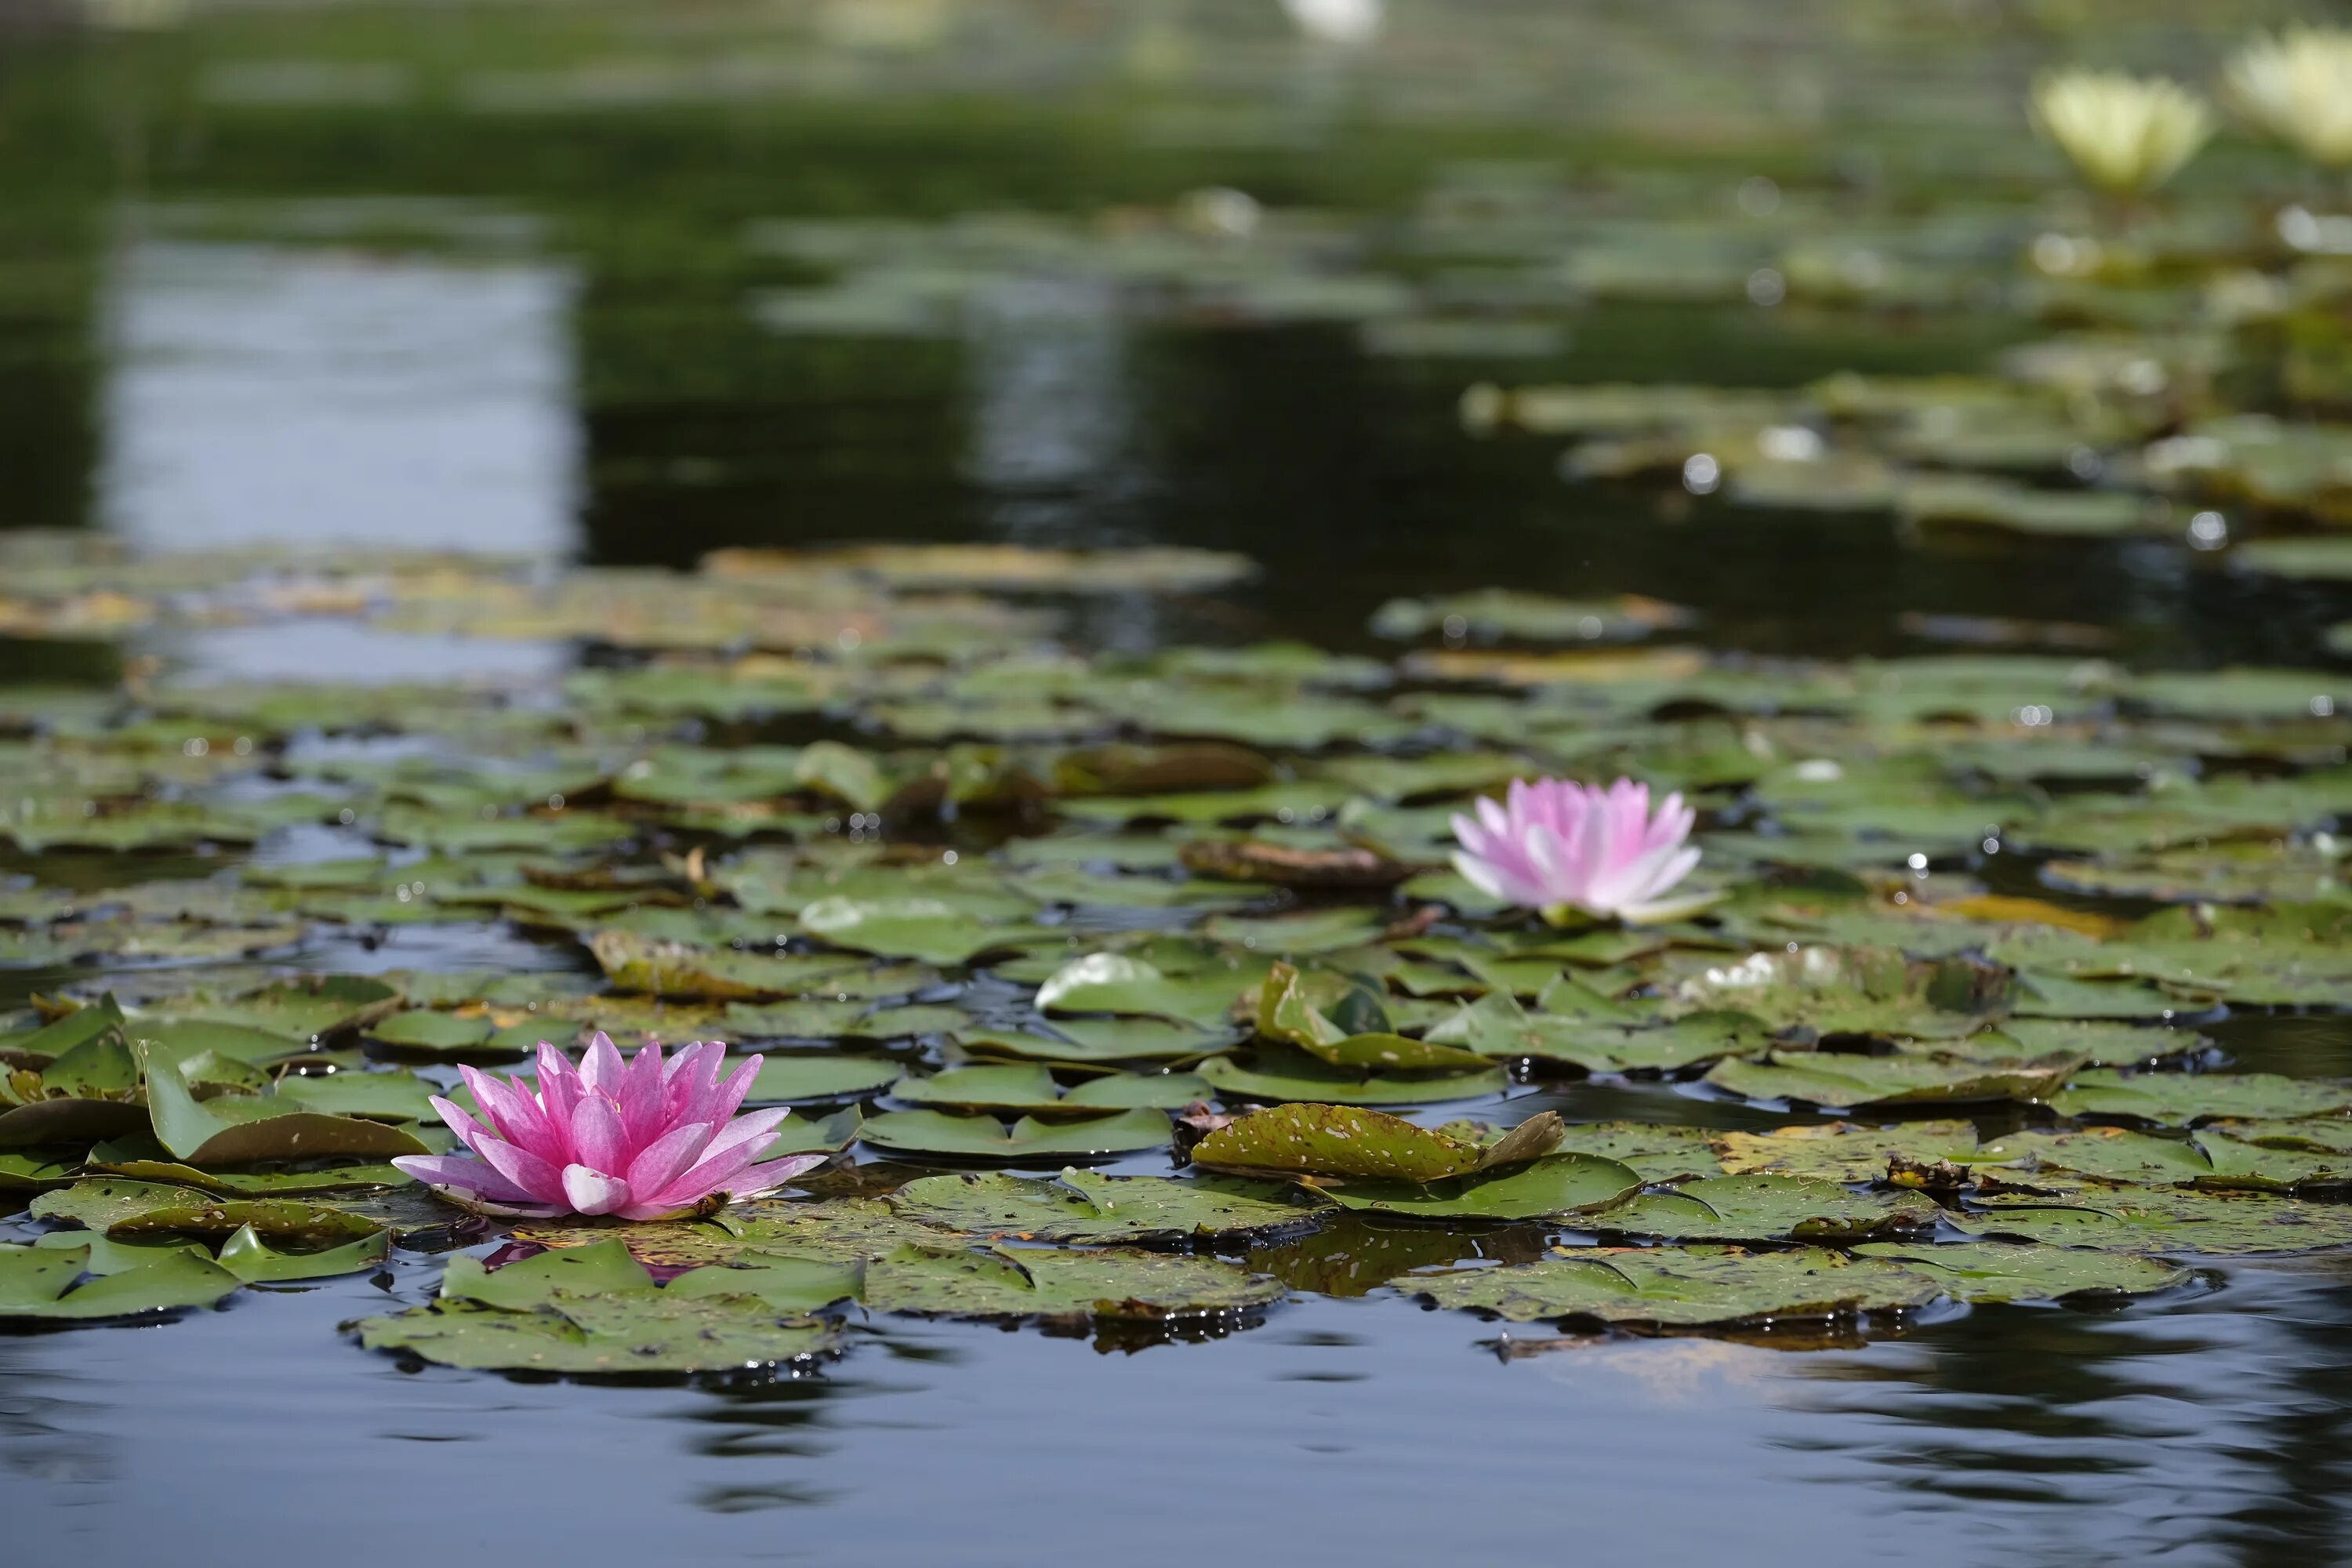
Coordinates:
<point>346,293</point>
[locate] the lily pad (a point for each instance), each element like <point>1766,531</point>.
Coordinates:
<point>622,1325</point>
<point>2183,1099</point>
<point>1772,1208</point>
<point>2167,1221</point>
<point>1841,1151</point>
<point>783,1077</point>
<point>238,1130</point>
<point>1029,1089</point>
<point>1087,1208</point>
<point>1842,1081</point>
<point>50,1283</point>
<point>1285,1073</point>
<point>1690,1288</point>
<point>1348,1141</point>
<point>1991,1271</point>
<point>1112,1282</point>
<point>1555,1186</point>
<point>1659,1154</point>
<point>1029,1140</point>
<point>256,1262</point>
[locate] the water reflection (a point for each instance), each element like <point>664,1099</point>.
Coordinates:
<point>256,391</point>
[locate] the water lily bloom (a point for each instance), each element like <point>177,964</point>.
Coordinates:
<point>2297,86</point>
<point>2126,134</point>
<point>644,1139</point>
<point>1558,846</point>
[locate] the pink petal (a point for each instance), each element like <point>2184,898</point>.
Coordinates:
<point>598,1137</point>
<point>669,1156</point>
<point>600,1065</point>
<point>540,1178</point>
<point>593,1192</point>
<point>465,1175</point>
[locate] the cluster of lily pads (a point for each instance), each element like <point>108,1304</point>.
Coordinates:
<point>986,901</point>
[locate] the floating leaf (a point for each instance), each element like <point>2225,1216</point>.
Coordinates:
<point>1346,1141</point>
<point>1771,1208</point>
<point>2166,1220</point>
<point>2182,1098</point>
<point>255,1262</point>
<point>1111,1282</point>
<point>1698,1287</point>
<point>1287,1073</point>
<point>1087,1208</point>
<point>1988,1271</point>
<point>1841,1151</point>
<point>41,1282</point>
<point>795,1078</point>
<point>238,1130</point>
<point>1554,1186</point>
<point>1029,1089</point>
<point>1029,1142</point>
<point>1843,1081</point>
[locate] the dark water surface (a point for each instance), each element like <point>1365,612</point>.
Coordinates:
<point>565,363</point>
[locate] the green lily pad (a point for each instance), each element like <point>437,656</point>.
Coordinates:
<point>1856,991</point>
<point>1286,1012</point>
<point>2167,1221</point>
<point>783,1077</point>
<point>1772,1208</point>
<point>1348,1141</point>
<point>1841,1151</point>
<point>239,1130</point>
<point>1991,1271</point>
<point>1495,1025</point>
<point>1098,1041</point>
<point>1689,1287</point>
<point>1087,1208</point>
<point>49,1283</point>
<point>1659,1154</point>
<point>1029,1142</point>
<point>126,1208</point>
<point>1028,1088</point>
<point>37,1170</point>
<point>1285,1073</point>
<point>1555,1186</point>
<point>1120,983</point>
<point>2178,1099</point>
<point>620,1323</point>
<point>305,1010</point>
<point>440,1033</point>
<point>1841,1081</point>
<point>931,930</point>
<point>256,1262</point>
<point>1111,1282</point>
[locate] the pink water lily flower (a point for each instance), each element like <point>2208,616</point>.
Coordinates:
<point>1556,845</point>
<point>643,1139</point>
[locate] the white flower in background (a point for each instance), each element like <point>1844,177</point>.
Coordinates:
<point>1335,21</point>
<point>2297,86</point>
<point>2126,134</point>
